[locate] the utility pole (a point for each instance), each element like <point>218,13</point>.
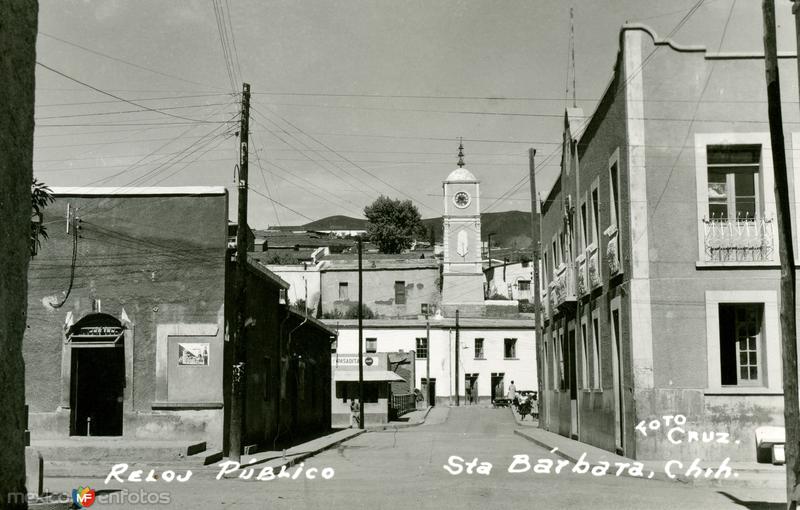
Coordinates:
<point>360,336</point>
<point>791,405</point>
<point>458,399</point>
<point>536,234</point>
<point>428,360</point>
<point>238,383</point>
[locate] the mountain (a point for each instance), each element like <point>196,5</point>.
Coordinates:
<point>338,222</point>
<point>510,228</point>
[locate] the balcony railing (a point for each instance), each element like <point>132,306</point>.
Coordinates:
<point>612,252</point>
<point>738,240</point>
<point>583,277</point>
<point>593,268</point>
<point>563,287</point>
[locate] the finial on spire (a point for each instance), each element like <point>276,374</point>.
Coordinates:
<point>460,152</point>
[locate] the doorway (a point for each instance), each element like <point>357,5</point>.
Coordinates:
<point>97,385</point>
<point>429,390</point>
<point>498,385</point>
<point>471,389</point>
<point>616,361</point>
<point>573,381</point>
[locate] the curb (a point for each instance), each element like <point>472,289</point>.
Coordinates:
<point>657,475</point>
<point>395,426</point>
<point>300,457</point>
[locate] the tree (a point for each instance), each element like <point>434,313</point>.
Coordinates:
<point>393,224</point>
<point>17,66</point>
<point>41,197</point>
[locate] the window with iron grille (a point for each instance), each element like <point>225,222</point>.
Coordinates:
<point>510,350</point>
<point>422,347</point>
<point>400,293</point>
<point>479,348</point>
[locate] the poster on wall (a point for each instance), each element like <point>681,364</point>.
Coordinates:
<point>193,354</point>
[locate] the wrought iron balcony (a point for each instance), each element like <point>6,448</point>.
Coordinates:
<point>593,268</point>
<point>563,288</point>
<point>583,277</point>
<point>738,240</point>
<point>612,252</point>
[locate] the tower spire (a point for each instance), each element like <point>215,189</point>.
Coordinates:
<point>460,152</point>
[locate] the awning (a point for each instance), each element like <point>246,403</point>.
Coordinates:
<point>369,375</point>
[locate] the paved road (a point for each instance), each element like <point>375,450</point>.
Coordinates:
<point>405,469</point>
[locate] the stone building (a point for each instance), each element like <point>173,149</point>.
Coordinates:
<point>661,270</point>
<point>129,315</point>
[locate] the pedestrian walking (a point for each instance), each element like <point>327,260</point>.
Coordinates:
<point>355,413</point>
<point>512,393</point>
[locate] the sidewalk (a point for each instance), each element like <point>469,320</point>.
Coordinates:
<point>745,474</point>
<point>276,460</point>
<point>411,419</point>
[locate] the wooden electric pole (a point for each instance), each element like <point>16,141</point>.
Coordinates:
<point>791,411</point>
<point>239,350</point>
<point>360,336</point>
<point>536,235</point>
<point>428,360</point>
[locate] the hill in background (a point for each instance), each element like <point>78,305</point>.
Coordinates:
<point>512,229</point>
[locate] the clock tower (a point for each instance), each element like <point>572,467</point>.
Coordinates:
<point>463,279</point>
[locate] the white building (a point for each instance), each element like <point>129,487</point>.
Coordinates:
<point>490,352</point>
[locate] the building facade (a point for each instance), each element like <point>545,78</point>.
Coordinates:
<point>396,286</point>
<point>129,317</point>
<point>661,271</point>
<point>491,352</point>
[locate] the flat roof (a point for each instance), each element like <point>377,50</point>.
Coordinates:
<point>446,323</point>
<point>140,191</point>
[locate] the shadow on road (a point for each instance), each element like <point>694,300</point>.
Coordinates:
<point>754,505</point>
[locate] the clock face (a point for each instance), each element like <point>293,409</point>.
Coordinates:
<point>461,199</point>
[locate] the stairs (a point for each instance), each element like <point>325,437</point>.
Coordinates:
<point>93,457</point>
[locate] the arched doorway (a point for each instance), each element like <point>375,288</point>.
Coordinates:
<point>97,375</point>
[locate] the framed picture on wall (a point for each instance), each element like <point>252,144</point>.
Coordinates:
<point>193,354</point>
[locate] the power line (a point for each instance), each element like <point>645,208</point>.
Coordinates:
<point>109,94</point>
<point>123,112</point>
<point>126,62</point>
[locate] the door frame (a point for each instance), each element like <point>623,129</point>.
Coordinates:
<point>66,369</point>
<point>617,373</point>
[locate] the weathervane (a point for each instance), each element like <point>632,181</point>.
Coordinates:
<point>460,152</point>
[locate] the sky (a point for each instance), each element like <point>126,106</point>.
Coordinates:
<point>349,99</point>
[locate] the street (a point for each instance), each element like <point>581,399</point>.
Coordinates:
<point>405,469</point>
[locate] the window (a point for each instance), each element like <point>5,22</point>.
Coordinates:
<point>595,213</point>
<point>562,355</point>
<point>267,378</point>
<point>555,361</point>
<point>344,295</point>
<point>614,187</point>
<point>733,188</point>
<point>740,344</point>
<point>334,345</point>
<point>400,293</point>
<point>422,347</point>
<point>584,226</point>
<point>372,345</point>
<point>596,352</point>
<point>585,356</point>
<point>525,285</point>
<point>479,348</point>
<point>555,255</point>
<point>510,350</point>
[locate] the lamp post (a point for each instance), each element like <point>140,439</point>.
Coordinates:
<point>489,246</point>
